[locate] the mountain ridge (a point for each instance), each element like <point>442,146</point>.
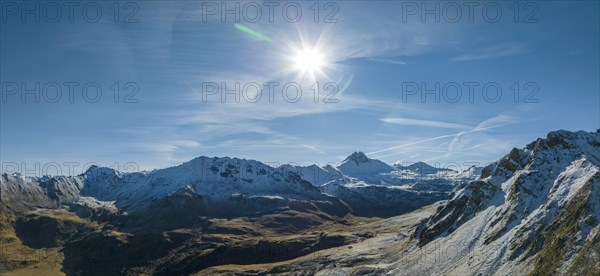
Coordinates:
<point>535,209</point>
<point>132,190</point>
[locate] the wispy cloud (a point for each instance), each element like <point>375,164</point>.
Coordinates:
<point>426,123</point>
<point>187,144</point>
<point>395,149</point>
<point>490,123</point>
<point>211,118</point>
<point>467,142</point>
<point>169,146</point>
<point>388,60</point>
<point>494,122</point>
<point>495,51</point>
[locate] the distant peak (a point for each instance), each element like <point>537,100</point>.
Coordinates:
<point>424,168</point>
<point>91,168</point>
<point>358,157</point>
<point>95,170</point>
<point>419,165</point>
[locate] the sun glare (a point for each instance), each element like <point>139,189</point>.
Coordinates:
<point>309,61</point>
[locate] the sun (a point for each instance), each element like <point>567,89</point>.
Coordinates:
<point>309,60</point>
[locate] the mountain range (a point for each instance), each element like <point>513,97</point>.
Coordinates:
<point>534,211</point>
<point>232,187</point>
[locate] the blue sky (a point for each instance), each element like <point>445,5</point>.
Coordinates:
<point>373,53</point>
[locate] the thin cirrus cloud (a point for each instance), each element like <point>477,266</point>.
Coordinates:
<point>424,123</point>
<point>171,146</point>
<point>456,143</point>
<point>388,61</point>
<point>495,51</point>
<point>490,123</point>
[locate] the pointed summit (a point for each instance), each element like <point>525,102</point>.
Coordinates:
<point>423,168</point>
<point>91,168</point>
<point>358,157</point>
<point>358,165</point>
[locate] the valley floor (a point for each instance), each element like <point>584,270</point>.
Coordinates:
<point>366,245</point>
<point>390,239</point>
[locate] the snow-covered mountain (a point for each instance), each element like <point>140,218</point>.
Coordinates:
<point>226,187</point>
<point>314,174</point>
<point>374,188</point>
<point>421,168</point>
<point>359,166</point>
<point>210,186</point>
<point>20,193</point>
<point>534,211</point>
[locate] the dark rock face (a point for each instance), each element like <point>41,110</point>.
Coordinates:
<point>358,157</point>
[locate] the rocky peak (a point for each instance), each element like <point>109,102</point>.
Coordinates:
<point>560,137</point>
<point>358,157</point>
<point>91,168</point>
